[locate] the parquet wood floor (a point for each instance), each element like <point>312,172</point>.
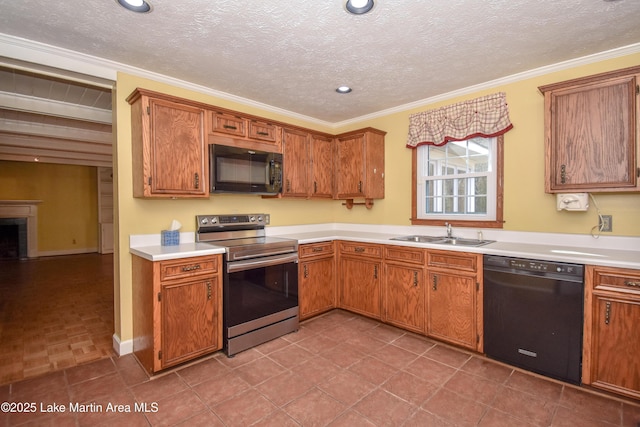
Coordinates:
<point>55,313</point>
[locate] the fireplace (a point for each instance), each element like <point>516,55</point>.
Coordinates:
<point>13,238</point>
<point>19,228</point>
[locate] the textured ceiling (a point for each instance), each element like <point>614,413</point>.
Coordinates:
<point>293,54</point>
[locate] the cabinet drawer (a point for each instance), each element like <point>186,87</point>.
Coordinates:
<point>374,251</point>
<point>315,249</point>
<point>262,130</point>
<point>404,254</point>
<point>456,260</point>
<point>616,279</point>
<point>227,123</point>
<point>188,267</point>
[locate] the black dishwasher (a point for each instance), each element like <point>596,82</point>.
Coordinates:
<point>533,313</point>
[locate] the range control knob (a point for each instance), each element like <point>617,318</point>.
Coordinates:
<point>204,221</point>
<point>252,218</point>
<point>214,220</point>
<point>260,218</point>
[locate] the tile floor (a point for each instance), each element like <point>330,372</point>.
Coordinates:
<point>55,313</point>
<point>339,369</point>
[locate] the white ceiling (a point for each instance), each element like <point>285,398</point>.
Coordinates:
<point>291,55</point>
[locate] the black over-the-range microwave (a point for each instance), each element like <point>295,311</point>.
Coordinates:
<point>240,170</point>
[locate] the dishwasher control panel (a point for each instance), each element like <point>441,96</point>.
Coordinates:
<point>532,265</point>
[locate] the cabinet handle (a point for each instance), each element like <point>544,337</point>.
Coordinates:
<point>191,267</point>
<point>563,174</point>
<point>288,185</point>
<point>359,249</point>
<point>208,290</point>
<point>317,249</point>
<point>375,271</point>
<point>632,284</point>
<point>607,312</point>
<point>230,127</point>
<point>196,180</point>
<point>359,186</point>
<point>306,271</point>
<point>415,278</point>
<point>315,187</point>
<point>263,133</point>
<point>435,283</point>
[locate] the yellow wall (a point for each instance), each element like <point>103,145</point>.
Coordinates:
<point>68,214</point>
<point>527,207</point>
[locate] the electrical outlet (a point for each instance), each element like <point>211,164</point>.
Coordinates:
<point>606,223</point>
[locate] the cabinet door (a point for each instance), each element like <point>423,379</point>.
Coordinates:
<point>295,148</point>
<point>317,288</point>
<point>321,149</point>
<point>360,285</point>
<point>190,318</point>
<point>591,136</point>
<point>350,167</point>
<point>177,149</point>
<point>615,346</point>
<point>404,297</point>
<point>451,308</point>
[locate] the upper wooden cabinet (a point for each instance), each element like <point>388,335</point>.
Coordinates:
<point>321,167</point>
<point>359,160</point>
<point>591,137</point>
<point>168,147</point>
<point>295,154</point>
<point>235,129</point>
<point>308,164</point>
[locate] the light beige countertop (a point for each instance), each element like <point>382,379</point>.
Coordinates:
<point>148,246</point>
<point>622,252</point>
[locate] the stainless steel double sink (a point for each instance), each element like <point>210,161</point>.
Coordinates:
<point>443,240</point>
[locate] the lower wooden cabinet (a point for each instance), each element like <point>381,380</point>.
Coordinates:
<point>178,310</point>
<point>316,278</point>
<point>403,302</point>
<point>611,347</point>
<point>360,267</point>
<point>454,298</point>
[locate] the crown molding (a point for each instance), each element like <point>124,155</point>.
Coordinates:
<point>89,67</point>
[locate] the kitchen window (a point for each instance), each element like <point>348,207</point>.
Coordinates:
<point>459,182</point>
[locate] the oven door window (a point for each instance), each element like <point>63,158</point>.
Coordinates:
<point>258,292</point>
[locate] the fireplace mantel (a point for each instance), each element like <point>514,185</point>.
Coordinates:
<point>24,209</point>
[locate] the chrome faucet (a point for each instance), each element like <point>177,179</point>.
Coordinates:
<point>449,230</point>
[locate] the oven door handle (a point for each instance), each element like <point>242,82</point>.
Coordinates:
<point>250,264</point>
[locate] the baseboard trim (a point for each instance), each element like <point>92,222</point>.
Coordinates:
<point>122,347</point>
<point>68,252</point>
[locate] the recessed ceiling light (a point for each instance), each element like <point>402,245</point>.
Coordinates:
<point>358,7</point>
<point>140,6</point>
<point>343,89</point>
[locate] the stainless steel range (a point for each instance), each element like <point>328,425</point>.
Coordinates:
<point>260,280</point>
